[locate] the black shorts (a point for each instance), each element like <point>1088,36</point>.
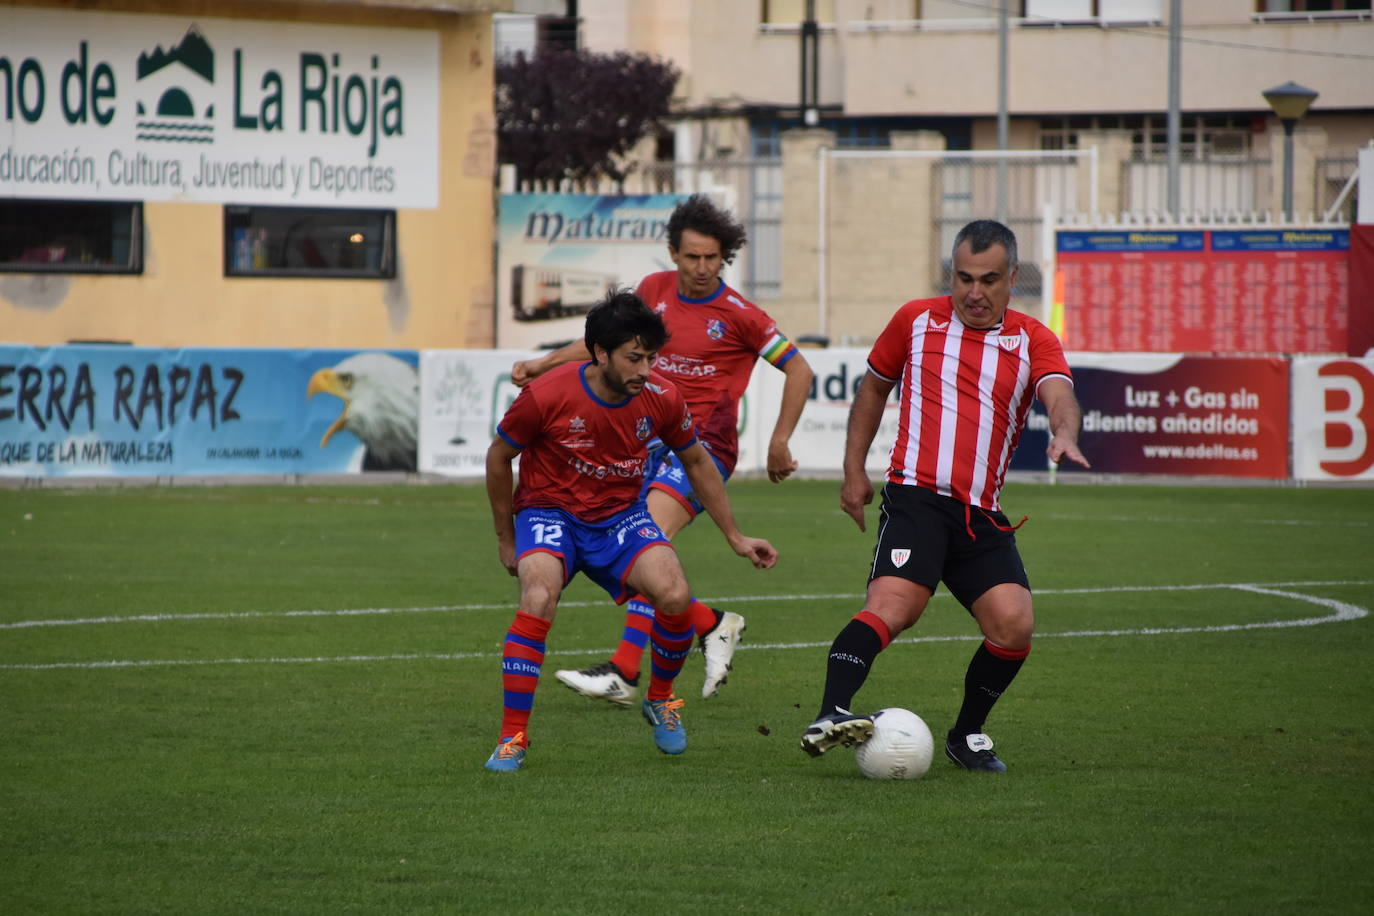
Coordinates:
<point>927,538</point>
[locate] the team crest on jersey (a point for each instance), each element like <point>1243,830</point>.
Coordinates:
<point>1009,343</point>
<point>648,532</point>
<point>643,429</point>
<point>900,555</point>
<point>661,307</point>
<point>715,329</point>
<point>577,425</point>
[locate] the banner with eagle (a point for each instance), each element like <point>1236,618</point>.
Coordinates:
<point>111,410</point>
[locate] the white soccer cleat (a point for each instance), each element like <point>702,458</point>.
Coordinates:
<point>601,682</point>
<point>719,648</point>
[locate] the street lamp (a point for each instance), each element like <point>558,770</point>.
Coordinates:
<point>1290,102</point>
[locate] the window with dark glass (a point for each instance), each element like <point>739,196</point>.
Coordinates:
<point>70,236</point>
<point>309,242</point>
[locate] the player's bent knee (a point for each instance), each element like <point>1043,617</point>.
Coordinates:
<point>674,600</point>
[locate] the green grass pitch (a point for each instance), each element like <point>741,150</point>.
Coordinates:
<point>279,699</point>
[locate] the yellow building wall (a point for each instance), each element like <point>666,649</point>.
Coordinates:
<point>442,295</point>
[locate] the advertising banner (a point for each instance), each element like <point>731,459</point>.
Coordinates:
<point>1205,291</point>
<point>111,411</point>
<point>120,106</point>
<point>818,442</point>
<point>1361,339</point>
<point>1333,419</point>
<point>560,253</point>
<point>463,395</point>
<point>1173,414</point>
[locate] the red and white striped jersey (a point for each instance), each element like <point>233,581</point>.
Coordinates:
<point>965,395</point>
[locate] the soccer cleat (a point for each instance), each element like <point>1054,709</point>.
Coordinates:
<point>601,682</point>
<point>509,755</point>
<point>840,727</point>
<point>666,718</point>
<point>719,648</point>
<point>973,752</point>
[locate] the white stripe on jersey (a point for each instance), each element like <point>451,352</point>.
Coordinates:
<point>1020,398</point>
<point>987,472</point>
<point>949,407</point>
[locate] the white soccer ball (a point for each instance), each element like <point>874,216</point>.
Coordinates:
<point>901,746</point>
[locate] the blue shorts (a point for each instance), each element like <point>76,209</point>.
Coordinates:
<point>605,551</point>
<point>668,475</point>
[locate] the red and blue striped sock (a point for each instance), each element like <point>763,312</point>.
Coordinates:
<point>521,661</point>
<point>639,620</point>
<point>672,640</point>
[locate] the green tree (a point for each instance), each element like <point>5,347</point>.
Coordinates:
<point>576,114</point>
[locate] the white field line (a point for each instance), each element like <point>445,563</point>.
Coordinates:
<point>510,606</point>
<point>1340,611</point>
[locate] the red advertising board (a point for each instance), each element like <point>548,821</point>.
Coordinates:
<point>1205,291</point>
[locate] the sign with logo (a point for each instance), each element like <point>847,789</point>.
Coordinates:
<point>139,411</point>
<point>1164,413</point>
<point>1333,419</point>
<point>463,395</point>
<point>560,253</point>
<point>115,106</point>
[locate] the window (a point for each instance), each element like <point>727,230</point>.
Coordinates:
<point>309,242</point>
<point>70,236</point>
<point>1310,6</point>
<point>1094,12</point>
<point>1208,138</point>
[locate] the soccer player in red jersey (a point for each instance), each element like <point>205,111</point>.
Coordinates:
<point>968,367</point>
<point>716,338</point>
<point>582,433</point>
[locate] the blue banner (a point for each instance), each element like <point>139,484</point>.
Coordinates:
<point>115,410</point>
<point>1131,240</point>
<point>1282,240</point>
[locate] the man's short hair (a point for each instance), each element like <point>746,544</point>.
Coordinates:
<point>699,214</point>
<point>982,234</point>
<point>622,316</point>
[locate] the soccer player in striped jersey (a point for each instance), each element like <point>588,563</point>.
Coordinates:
<point>582,434</point>
<point>716,338</point>
<point>968,367</point>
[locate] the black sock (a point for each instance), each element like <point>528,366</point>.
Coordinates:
<point>851,658</point>
<point>987,678</point>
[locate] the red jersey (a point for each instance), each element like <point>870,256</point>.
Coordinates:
<point>711,353</point>
<point>584,455</point>
<point>965,394</point>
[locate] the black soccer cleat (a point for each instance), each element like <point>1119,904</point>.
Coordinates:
<point>973,752</point>
<point>841,727</point>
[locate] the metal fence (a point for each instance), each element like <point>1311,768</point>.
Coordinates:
<point>1213,188</point>
<point>1015,190</point>
<point>1338,189</point>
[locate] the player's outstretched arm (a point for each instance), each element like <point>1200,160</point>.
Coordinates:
<point>1066,419</point>
<point>527,370</point>
<point>500,493</point>
<point>796,387</point>
<point>865,415</point>
<point>710,489</point>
